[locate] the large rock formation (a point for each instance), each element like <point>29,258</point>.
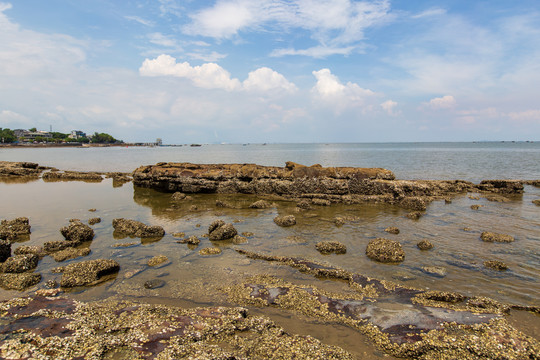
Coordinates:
<point>10,168</point>
<point>315,183</point>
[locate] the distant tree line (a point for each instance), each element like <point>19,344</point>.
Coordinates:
<point>8,136</point>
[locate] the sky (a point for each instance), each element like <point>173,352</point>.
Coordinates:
<point>248,71</point>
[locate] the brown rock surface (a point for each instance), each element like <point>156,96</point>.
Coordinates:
<point>12,229</point>
<point>87,273</point>
<point>287,220</point>
<point>20,263</point>
<point>136,228</point>
<point>72,176</point>
<point>328,247</point>
<point>19,281</point>
<point>77,232</point>
<point>488,236</point>
<point>10,168</point>
<point>385,250</point>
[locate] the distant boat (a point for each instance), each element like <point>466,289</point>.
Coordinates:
<point>195,145</point>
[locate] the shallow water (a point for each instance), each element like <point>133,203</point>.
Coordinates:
<point>195,280</point>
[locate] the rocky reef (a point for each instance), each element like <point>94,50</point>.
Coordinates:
<point>317,184</point>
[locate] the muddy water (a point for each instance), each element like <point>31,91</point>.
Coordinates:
<point>195,280</point>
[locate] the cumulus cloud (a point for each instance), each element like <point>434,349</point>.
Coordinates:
<point>336,25</point>
<point>525,116</point>
<point>445,102</point>
<point>389,107</point>
<point>331,89</point>
<point>213,76</point>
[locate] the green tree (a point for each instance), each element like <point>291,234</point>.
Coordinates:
<point>7,136</point>
<point>103,138</point>
<point>32,129</point>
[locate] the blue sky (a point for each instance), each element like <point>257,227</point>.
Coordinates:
<point>242,71</point>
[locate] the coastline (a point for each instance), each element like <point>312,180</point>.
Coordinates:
<point>278,293</point>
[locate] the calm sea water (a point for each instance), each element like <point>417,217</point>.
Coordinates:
<point>466,161</point>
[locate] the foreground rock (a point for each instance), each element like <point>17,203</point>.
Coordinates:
<point>17,169</point>
<point>219,230</point>
<point>87,273</point>
<point>136,228</point>
<point>320,185</point>
<point>385,250</point>
<point>329,247</point>
<point>19,281</point>
<point>285,221</point>
<point>60,328</point>
<point>488,236</point>
<point>20,263</point>
<point>421,324</point>
<point>77,232</point>
<point>11,230</point>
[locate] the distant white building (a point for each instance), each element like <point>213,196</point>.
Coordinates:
<point>76,134</point>
<point>31,135</point>
<point>159,142</point>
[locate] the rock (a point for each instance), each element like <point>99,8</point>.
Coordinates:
<point>94,221</point>
<point>192,240</point>
<point>392,230</point>
<point>303,204</point>
<point>287,220</point>
<point>12,229</point>
<point>74,220</point>
<point>26,249</point>
<point>476,207</point>
<point>496,198</point>
<point>72,176</point>
<point>179,234</point>
<point>157,260</point>
<point>495,264</point>
<point>77,232</point>
<point>70,253</point>
<point>178,196</point>
<point>248,234</point>
<point>137,228</point>
<point>20,263</point>
<point>474,197</point>
<point>237,240</point>
<point>19,169</point>
<point>424,245</point>
<point>224,204</point>
<point>417,203</point>
<point>321,202</point>
<point>50,247</point>
<point>447,200</point>
<point>495,237</point>
<point>48,292</point>
<point>385,250</point>
<point>19,281</point>
<point>415,215</point>
<point>218,230</point>
<point>154,284</point>
<point>328,247</point>
<point>87,273</point>
<point>51,284</point>
<point>536,202</point>
<point>437,271</point>
<point>502,186</point>
<point>261,204</point>
<point>210,251</point>
<point>193,208</point>
<point>125,244</point>
<point>5,250</point>
<point>339,221</point>
<point>92,210</point>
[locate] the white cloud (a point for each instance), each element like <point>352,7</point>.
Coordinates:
<point>162,40</point>
<point>213,76</point>
<point>140,20</point>
<point>208,75</point>
<point>265,79</point>
<point>429,13</point>
<point>332,91</point>
<point>445,102</point>
<point>336,25</point>
<point>525,116</point>
<point>208,57</point>
<point>5,6</point>
<point>389,107</point>
<point>12,119</point>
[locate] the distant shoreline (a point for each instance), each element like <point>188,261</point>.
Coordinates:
<point>18,146</point>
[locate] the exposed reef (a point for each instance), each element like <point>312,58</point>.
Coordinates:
<point>419,324</point>
<point>317,184</point>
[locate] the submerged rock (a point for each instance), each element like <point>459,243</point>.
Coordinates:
<point>20,263</point>
<point>224,204</point>
<point>87,273</point>
<point>77,232</point>
<point>536,202</point>
<point>20,281</point>
<point>385,250</point>
<point>437,271</point>
<point>154,284</point>
<point>94,221</point>
<point>219,230</point>
<point>424,245</point>
<point>392,230</point>
<point>157,260</point>
<point>19,168</point>
<point>260,204</point>
<point>178,196</point>
<point>328,247</point>
<point>287,220</point>
<point>210,251</point>
<point>11,229</point>
<point>70,253</point>
<point>496,265</point>
<point>137,228</point>
<point>415,215</point>
<point>192,240</point>
<point>50,247</point>
<point>476,206</point>
<point>495,237</point>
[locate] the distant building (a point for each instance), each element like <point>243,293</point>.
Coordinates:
<point>76,134</point>
<point>31,135</point>
<point>159,142</point>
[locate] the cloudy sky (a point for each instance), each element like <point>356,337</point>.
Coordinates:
<point>242,71</point>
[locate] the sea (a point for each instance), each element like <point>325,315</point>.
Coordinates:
<point>456,263</point>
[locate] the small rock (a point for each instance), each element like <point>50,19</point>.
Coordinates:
<point>20,263</point>
<point>218,230</point>
<point>87,273</point>
<point>179,234</point>
<point>237,239</point>
<point>320,202</point>
<point>210,251</point>
<point>261,204</point>
<point>496,198</point>
<point>437,271</point>
<point>137,228</point>
<point>223,204</point>
<point>303,204</point>
<point>77,232</point>
<point>157,260</point>
<point>536,202</point>
<point>339,221</point>
<point>328,247</point>
<point>192,240</point>
<point>287,220</point>
<point>476,207</point>
<point>385,250</point>
<point>19,281</point>
<point>48,292</point>
<point>447,200</point>
<point>467,228</point>
<point>424,245</point>
<point>92,210</point>
<point>474,197</point>
<point>70,253</point>
<point>392,230</point>
<point>12,229</point>
<point>415,215</point>
<point>74,220</point>
<point>495,264</point>
<point>94,221</point>
<point>178,196</point>
<point>193,208</point>
<point>495,237</point>
<point>51,284</point>
<point>154,284</point>
<point>247,234</point>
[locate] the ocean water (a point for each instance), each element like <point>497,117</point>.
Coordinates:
<point>194,280</point>
<point>465,161</point>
